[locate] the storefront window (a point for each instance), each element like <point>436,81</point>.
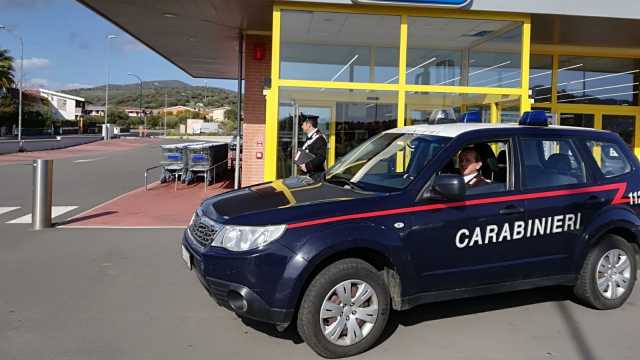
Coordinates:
<point>495,59</point>
<point>458,52</point>
<point>540,74</point>
<point>442,108</point>
<point>510,112</point>
<point>579,120</point>
<point>624,125</point>
<point>327,46</point>
<point>597,80</point>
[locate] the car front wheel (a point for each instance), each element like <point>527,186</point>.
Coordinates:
<point>344,310</point>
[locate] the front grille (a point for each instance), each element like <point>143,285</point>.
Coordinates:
<point>203,230</point>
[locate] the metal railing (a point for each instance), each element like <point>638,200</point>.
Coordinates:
<point>146,174</point>
<point>206,173</point>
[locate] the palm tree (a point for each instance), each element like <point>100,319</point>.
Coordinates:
<point>6,70</point>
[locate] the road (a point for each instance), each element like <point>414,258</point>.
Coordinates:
<point>125,294</point>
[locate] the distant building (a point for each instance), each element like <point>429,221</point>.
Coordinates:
<point>93,110</point>
<point>136,112</point>
<point>216,114</point>
<point>175,110</point>
<point>64,106</point>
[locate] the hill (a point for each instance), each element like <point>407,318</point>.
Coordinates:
<point>178,93</point>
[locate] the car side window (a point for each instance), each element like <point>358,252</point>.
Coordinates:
<point>486,166</point>
<point>550,163</point>
<point>609,158</point>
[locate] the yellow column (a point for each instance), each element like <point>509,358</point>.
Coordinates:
<point>636,138</point>
<point>402,76</point>
<point>525,104</point>
<point>494,113</point>
<point>271,126</point>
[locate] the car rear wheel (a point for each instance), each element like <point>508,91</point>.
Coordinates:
<point>608,274</point>
<point>344,310</point>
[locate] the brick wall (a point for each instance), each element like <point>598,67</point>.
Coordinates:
<point>256,71</point>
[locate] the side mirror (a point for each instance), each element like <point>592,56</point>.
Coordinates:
<point>449,186</point>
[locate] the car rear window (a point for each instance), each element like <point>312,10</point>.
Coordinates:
<point>609,158</point>
<point>550,163</point>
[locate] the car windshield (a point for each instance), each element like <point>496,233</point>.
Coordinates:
<point>387,162</point>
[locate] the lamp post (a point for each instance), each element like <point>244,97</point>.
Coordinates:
<point>106,94</point>
<point>165,109</point>
<point>141,114</point>
<point>21,44</point>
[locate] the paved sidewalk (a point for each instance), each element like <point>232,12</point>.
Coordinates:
<point>161,206</point>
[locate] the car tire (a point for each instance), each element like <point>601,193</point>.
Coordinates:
<point>616,281</point>
<point>325,294</point>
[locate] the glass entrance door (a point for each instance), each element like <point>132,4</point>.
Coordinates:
<point>291,136</point>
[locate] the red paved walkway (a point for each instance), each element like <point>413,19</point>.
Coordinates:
<point>158,207</point>
<point>94,148</point>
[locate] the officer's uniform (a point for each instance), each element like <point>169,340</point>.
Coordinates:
<point>316,144</point>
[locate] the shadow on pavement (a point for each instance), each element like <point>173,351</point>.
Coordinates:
<point>87,217</point>
<point>290,333</point>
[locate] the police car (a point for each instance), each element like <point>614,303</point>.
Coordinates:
<point>422,214</point>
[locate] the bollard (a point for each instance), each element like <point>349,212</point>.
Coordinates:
<point>42,193</point>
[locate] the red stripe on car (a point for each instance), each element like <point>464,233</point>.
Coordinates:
<point>617,199</point>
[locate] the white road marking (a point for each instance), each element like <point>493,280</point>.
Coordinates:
<point>55,211</point>
<point>87,160</point>
<point>6,209</point>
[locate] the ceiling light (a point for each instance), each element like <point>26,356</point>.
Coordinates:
<point>169,15</point>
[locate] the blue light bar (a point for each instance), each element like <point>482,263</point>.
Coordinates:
<point>471,117</point>
<point>534,118</point>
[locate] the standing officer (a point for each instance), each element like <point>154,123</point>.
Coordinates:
<point>311,157</point>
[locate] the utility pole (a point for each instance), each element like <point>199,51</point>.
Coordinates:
<point>106,94</point>
<point>140,99</point>
<point>165,108</point>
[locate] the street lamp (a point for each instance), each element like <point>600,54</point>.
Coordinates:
<point>140,80</point>
<point>106,94</point>
<point>21,44</point>
<point>165,108</point>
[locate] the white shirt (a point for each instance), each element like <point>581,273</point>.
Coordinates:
<point>469,177</point>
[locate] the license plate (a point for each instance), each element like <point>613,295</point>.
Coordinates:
<point>186,256</point>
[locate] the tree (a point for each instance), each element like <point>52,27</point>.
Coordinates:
<point>6,70</point>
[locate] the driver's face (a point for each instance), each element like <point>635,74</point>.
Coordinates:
<point>468,163</point>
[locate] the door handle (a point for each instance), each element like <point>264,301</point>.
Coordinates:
<point>594,199</point>
<point>511,210</point>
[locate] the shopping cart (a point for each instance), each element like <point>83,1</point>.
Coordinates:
<point>174,162</point>
<point>204,160</point>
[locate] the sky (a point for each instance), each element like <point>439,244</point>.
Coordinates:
<point>65,48</point>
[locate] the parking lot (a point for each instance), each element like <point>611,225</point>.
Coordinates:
<point>110,293</point>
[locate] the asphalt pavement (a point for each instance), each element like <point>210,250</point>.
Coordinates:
<point>126,294</point>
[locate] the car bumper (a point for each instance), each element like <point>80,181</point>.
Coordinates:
<point>250,284</point>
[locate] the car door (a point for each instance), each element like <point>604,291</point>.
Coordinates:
<point>561,201</point>
<point>464,243</point>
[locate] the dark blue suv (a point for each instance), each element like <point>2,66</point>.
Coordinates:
<point>422,214</point>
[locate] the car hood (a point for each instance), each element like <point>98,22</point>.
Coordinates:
<point>280,201</point>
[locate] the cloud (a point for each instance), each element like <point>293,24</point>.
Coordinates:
<point>35,63</point>
<point>76,86</point>
<point>36,83</point>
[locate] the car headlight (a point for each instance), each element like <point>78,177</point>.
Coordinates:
<point>241,238</point>
<point>193,217</point>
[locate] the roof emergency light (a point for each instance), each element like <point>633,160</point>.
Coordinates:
<point>534,118</point>
<point>471,117</point>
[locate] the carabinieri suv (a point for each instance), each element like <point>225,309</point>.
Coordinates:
<point>422,214</point>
